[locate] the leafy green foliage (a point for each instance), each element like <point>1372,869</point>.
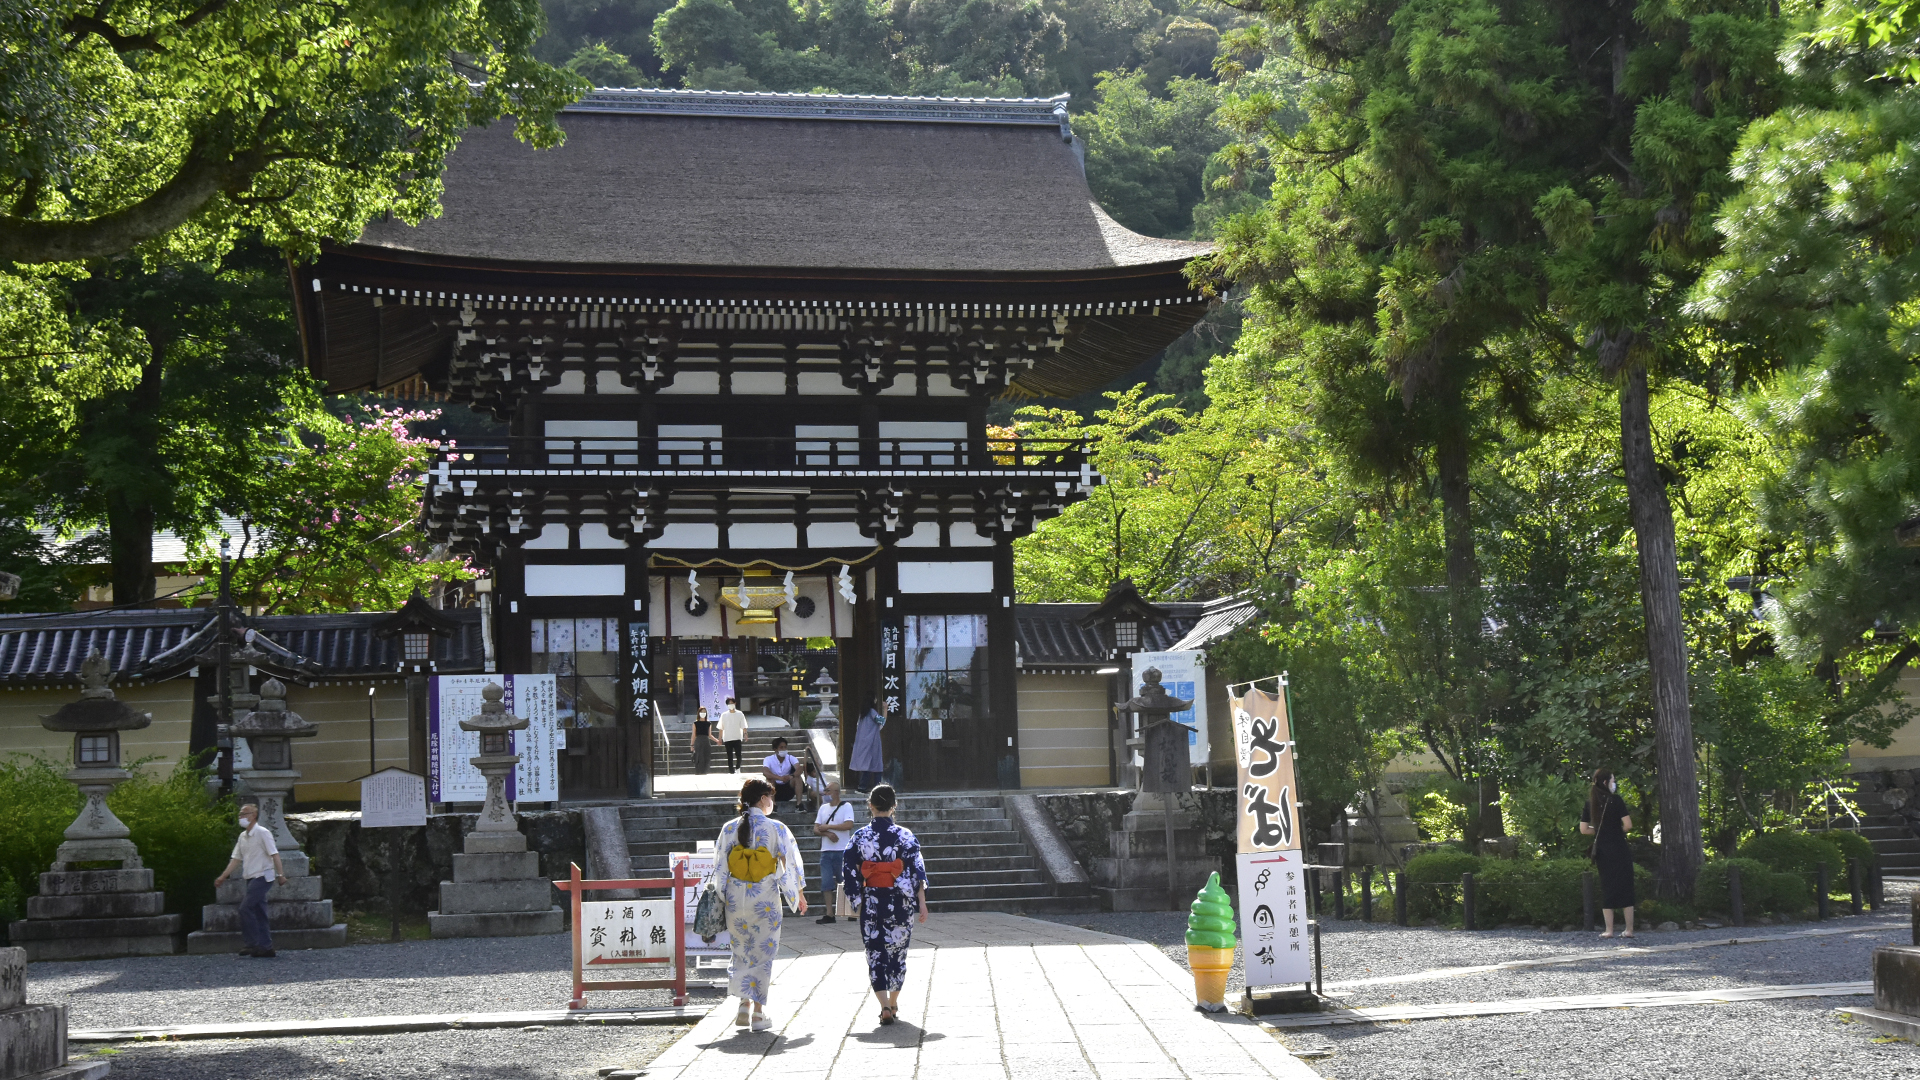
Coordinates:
<point>1712,893</point>
<point>1795,853</point>
<point>1147,156</point>
<point>337,517</point>
<point>167,125</point>
<point>1853,846</point>
<point>1434,878</point>
<point>1546,812</point>
<point>184,836</point>
<point>1541,891</point>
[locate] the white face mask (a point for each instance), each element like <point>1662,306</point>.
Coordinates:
<point>245,822</point>
<point>1613,785</point>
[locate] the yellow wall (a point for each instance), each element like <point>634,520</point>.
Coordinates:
<point>1063,730</point>
<point>330,762</point>
<point>164,740</point>
<point>1904,751</point>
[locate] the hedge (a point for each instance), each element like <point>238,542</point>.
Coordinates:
<point>1853,846</point>
<point>1761,888</point>
<point>1433,881</point>
<point>1796,853</point>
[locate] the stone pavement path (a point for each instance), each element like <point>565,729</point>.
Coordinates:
<point>987,995</point>
<point>1644,999</point>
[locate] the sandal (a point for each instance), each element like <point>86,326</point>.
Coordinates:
<point>887,1013</point>
<point>744,1016</point>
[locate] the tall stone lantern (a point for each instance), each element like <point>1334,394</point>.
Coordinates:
<point>497,888</point>
<point>96,913</point>
<point>300,918</point>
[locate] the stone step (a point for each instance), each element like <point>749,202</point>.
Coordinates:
<point>481,897</point>
<point>290,915</point>
<point>210,942</point>
<point>496,923</point>
<point>998,891</point>
<point>1885,832</point>
<point>306,887</point>
<point>1884,848</point>
<point>124,905</point>
<point>27,930</point>
<point>1036,903</point>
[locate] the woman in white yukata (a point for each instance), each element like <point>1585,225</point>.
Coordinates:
<point>757,864</point>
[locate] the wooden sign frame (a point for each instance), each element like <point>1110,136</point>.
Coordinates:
<point>578,887</point>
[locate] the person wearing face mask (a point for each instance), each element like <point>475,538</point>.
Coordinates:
<point>1610,853</point>
<point>257,858</point>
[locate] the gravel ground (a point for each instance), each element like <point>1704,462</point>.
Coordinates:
<point>507,1054</point>
<point>451,975</point>
<point>1744,1041</point>
<point>1748,1041</point>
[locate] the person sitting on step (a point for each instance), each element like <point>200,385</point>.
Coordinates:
<point>779,768</point>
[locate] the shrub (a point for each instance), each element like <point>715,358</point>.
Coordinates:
<point>1710,888</point>
<point>1788,892</point>
<point>184,837</point>
<point>1433,881</point>
<point>1795,853</point>
<point>1547,812</point>
<point>1545,891</point>
<point>1853,846</point>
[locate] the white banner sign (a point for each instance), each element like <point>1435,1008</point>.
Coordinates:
<point>392,797</point>
<point>621,932</point>
<point>1184,677</point>
<point>450,750</point>
<point>1274,940</point>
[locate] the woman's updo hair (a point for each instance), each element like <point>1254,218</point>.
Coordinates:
<point>751,793</point>
<point>881,798</point>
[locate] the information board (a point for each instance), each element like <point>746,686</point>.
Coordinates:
<point>620,932</point>
<point>1185,677</point>
<point>450,749</point>
<point>1271,880</point>
<point>392,798</point>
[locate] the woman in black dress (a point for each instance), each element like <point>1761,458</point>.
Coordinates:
<point>1610,853</point>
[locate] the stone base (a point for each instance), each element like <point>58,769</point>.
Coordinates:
<point>479,897</point>
<point>1896,979</point>
<point>118,850</point>
<point>1899,1025</point>
<point>1146,873</point>
<point>284,890</point>
<point>33,1038</point>
<point>96,939</point>
<point>496,923</point>
<point>73,1070</point>
<point>492,843</point>
<point>496,866</point>
<point>210,942</point>
<point>291,915</point>
<point>123,905</point>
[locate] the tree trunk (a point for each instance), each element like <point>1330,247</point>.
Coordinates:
<point>1680,851</point>
<point>1453,459</point>
<point>130,543</point>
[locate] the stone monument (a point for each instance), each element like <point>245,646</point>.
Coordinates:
<point>299,917</point>
<point>1158,854</point>
<point>497,889</point>
<point>33,1038</point>
<point>100,911</point>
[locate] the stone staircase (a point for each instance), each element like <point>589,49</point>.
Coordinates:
<point>1893,840</point>
<point>674,757</point>
<point>976,858</point>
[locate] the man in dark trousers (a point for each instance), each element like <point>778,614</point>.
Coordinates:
<point>257,858</point>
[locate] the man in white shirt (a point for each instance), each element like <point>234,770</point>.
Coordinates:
<point>257,858</point>
<point>733,733</point>
<point>833,824</point>
<point>778,767</point>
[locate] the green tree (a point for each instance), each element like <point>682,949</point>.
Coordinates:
<point>1147,156</point>
<point>600,65</point>
<point>1821,275</point>
<point>177,123</point>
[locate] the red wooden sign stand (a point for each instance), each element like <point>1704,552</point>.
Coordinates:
<point>678,984</point>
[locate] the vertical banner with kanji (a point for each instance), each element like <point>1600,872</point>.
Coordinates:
<point>893,681</point>
<point>715,671</point>
<point>639,676</point>
<point>1272,884</point>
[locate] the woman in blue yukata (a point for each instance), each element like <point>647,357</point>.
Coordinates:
<point>757,865</point>
<point>886,879</point>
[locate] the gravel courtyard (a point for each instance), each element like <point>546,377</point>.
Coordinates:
<point>1793,1038</point>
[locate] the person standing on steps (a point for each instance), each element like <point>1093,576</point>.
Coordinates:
<point>867,760</point>
<point>702,742</point>
<point>733,734</point>
<point>757,865</point>
<point>257,858</point>
<point>833,824</point>
<point>886,879</point>
<point>1610,853</point>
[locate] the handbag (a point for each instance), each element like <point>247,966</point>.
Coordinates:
<point>710,917</point>
<point>842,907</point>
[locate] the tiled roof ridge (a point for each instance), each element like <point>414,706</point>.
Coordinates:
<point>795,106</point>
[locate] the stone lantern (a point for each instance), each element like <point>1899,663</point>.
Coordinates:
<point>497,888</point>
<point>823,692</point>
<point>96,913</point>
<point>300,918</point>
<point>1156,830</point>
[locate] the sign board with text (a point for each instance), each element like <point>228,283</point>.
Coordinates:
<point>1272,882</point>
<point>697,867</point>
<point>1185,677</point>
<point>451,750</point>
<point>620,932</point>
<point>392,798</point>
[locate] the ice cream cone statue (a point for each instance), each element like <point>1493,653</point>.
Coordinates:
<point>1210,945</point>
